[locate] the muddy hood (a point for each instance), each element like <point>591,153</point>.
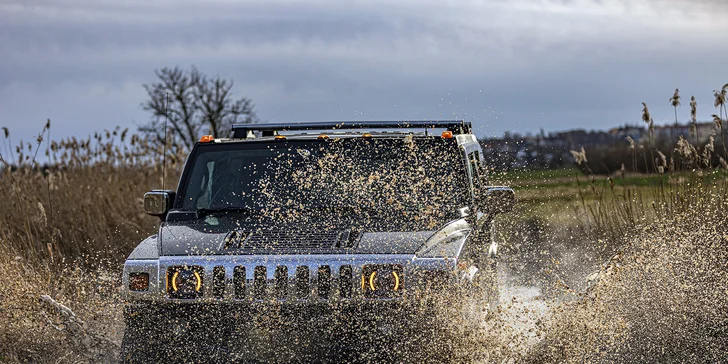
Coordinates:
<point>201,238</point>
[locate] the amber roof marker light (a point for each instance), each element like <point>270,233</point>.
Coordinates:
<point>206,138</point>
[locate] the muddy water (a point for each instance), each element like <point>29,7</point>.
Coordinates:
<point>525,311</point>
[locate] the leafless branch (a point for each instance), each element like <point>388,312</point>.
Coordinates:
<point>193,105</point>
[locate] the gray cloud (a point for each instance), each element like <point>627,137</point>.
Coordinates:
<point>506,65</point>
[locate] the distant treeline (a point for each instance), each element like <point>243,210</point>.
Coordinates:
<point>607,151</point>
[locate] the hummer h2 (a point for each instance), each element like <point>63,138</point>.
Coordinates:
<point>319,218</point>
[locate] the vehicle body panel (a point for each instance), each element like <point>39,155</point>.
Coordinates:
<point>185,239</point>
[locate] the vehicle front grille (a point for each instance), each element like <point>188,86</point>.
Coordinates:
<point>292,283</point>
<point>287,279</point>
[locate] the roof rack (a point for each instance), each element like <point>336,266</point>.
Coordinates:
<point>243,131</point>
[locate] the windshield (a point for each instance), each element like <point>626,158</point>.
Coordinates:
<point>413,178</point>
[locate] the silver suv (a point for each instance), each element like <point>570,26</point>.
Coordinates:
<point>327,220</point>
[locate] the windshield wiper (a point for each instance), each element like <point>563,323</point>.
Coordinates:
<point>222,210</point>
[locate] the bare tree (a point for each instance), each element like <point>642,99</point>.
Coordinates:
<point>193,105</point>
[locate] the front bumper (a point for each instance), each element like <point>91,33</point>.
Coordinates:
<point>238,314</point>
<point>225,332</point>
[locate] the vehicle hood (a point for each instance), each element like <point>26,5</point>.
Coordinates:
<point>213,237</point>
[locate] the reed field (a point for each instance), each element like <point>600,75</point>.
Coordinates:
<point>632,266</point>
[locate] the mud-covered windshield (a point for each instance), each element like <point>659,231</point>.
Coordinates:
<point>419,178</point>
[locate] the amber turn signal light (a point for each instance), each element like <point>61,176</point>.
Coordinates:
<point>138,282</point>
<point>447,135</point>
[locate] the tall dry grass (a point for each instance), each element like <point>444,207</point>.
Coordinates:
<point>71,212</point>
<point>663,296</point>
<point>33,332</point>
<point>78,198</point>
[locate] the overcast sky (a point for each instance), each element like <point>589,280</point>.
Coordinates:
<point>505,65</point>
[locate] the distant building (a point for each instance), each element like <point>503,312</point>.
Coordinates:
<point>633,131</point>
<point>667,132</point>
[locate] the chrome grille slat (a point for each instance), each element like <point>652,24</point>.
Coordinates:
<point>346,280</point>
<point>260,282</point>
<point>324,281</point>
<point>218,281</point>
<point>303,282</point>
<point>280,282</point>
<point>239,282</point>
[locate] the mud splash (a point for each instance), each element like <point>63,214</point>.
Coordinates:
<point>663,297</point>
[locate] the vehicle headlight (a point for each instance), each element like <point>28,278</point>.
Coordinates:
<point>444,244</point>
<point>185,281</point>
<point>382,280</point>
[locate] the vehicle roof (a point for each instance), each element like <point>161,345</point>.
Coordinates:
<point>303,131</point>
<point>454,126</point>
<point>460,138</point>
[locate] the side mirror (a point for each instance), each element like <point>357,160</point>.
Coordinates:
<point>158,202</point>
<point>497,199</point>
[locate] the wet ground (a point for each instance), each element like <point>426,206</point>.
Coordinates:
<point>525,311</point>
